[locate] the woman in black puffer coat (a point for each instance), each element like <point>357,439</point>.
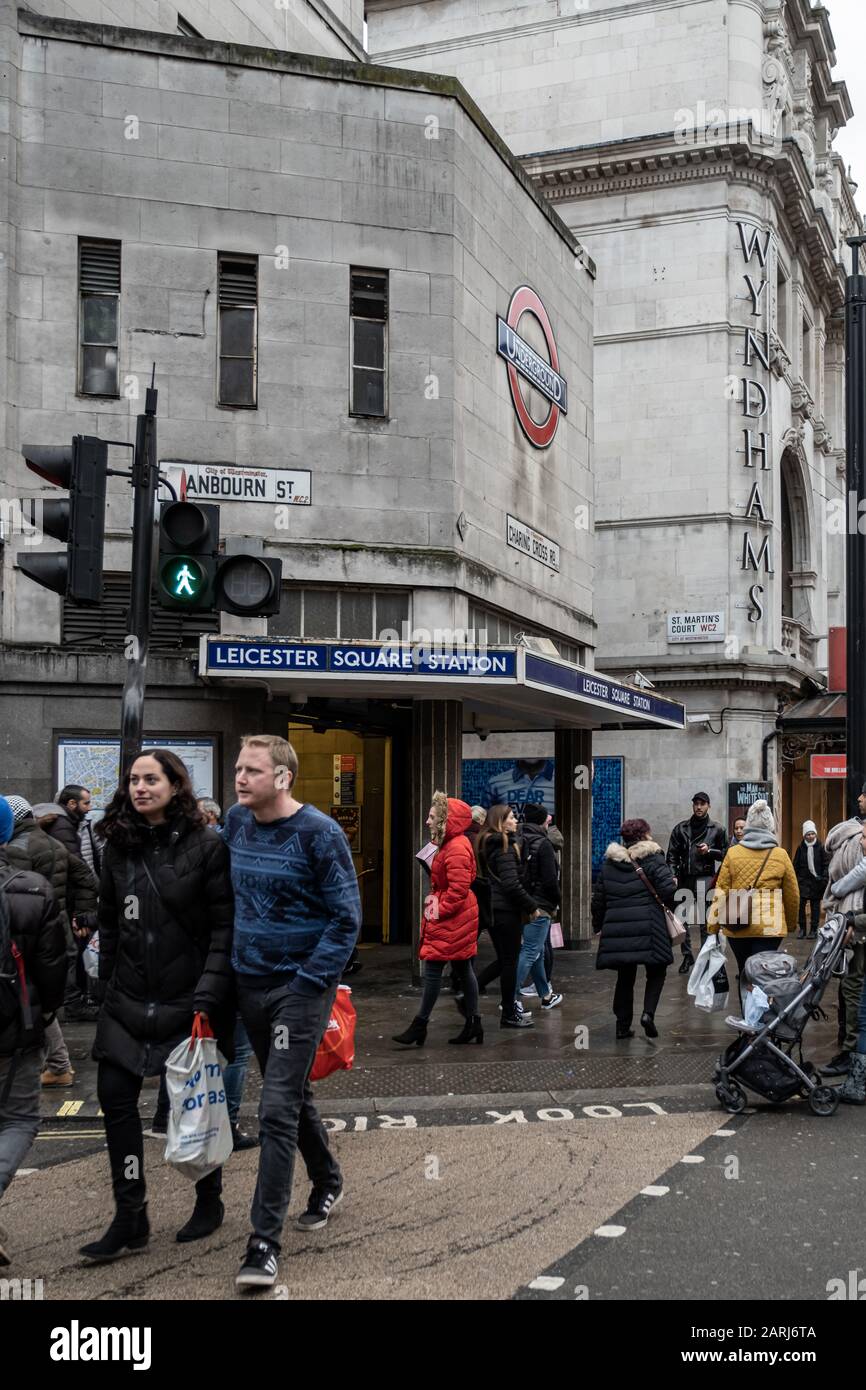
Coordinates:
<point>166,914</point>
<point>632,922</point>
<point>499,866</point>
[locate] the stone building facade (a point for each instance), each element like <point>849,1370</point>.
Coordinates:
<point>166,175</point>
<point>690,147</point>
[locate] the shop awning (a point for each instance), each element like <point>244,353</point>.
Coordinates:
<point>817,712</point>
<point>505,688</point>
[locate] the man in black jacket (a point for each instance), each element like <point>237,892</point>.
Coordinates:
<point>75,830</point>
<point>696,849</point>
<point>29,919</point>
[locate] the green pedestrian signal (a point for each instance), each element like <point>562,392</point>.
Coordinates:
<point>188,543</point>
<point>183,578</point>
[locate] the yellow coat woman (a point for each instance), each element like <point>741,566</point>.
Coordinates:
<point>775,905</point>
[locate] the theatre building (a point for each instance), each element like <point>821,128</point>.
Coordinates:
<point>373,347</point>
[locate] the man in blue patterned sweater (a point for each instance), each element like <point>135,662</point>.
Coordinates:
<point>297,916</point>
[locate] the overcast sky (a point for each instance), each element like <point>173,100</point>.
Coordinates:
<point>848,22</point>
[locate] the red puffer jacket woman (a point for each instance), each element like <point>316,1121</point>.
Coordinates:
<point>449,931</point>
<point>453,934</point>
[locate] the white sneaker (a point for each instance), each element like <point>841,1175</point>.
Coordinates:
<point>530,991</point>
<point>520,1009</point>
<point>552,1001</point>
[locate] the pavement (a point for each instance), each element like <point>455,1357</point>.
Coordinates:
<point>530,1169</point>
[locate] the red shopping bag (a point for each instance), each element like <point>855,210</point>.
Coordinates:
<point>336,1051</point>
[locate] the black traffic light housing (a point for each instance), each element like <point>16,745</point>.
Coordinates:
<point>248,585</point>
<point>192,575</point>
<point>82,467</point>
<point>189,537</point>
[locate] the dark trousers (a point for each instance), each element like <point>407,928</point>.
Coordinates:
<point>506,937</point>
<point>814,902</point>
<point>285,1029</point>
<point>623,995</point>
<point>118,1092</point>
<point>462,975</point>
<point>743,947</point>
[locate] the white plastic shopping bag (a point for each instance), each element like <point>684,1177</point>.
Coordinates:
<point>199,1132</point>
<point>90,957</point>
<point>710,993</point>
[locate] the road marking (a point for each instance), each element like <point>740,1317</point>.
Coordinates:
<point>75,1134</point>
<point>548,1282</point>
<point>692,1158</point>
<point>724,1134</point>
<point>25,1172</point>
<point>69,1107</point>
<point>654,1191</point>
<point>611,1231</point>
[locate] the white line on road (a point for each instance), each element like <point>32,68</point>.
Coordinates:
<point>25,1172</point>
<point>692,1158</point>
<point>548,1282</point>
<point>654,1191</point>
<point>611,1231</point>
<point>724,1134</point>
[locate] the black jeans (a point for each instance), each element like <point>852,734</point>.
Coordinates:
<point>623,995</point>
<point>743,947</point>
<point>814,902</point>
<point>285,1029</point>
<point>461,971</point>
<point>118,1092</point>
<point>506,937</point>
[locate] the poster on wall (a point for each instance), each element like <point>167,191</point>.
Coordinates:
<point>518,781</point>
<point>349,820</point>
<point>741,795</point>
<point>94,763</point>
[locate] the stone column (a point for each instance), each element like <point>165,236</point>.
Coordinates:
<point>437,755</point>
<point>574,818</point>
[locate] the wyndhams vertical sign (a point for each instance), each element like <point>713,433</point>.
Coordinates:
<point>522,359</point>
<point>756,405</point>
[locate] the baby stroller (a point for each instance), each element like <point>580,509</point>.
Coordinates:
<point>761,1057</point>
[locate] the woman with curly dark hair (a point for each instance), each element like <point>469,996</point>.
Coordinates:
<point>166,913</point>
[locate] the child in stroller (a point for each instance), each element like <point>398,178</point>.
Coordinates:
<point>761,1057</point>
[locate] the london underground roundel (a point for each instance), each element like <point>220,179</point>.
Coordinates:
<point>523,360</point>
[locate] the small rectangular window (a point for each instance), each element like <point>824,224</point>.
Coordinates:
<point>782,305</point>
<point>238,331</point>
<point>369,342</point>
<point>98,317</point>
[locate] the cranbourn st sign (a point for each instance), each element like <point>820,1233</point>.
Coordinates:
<point>224,482</point>
<point>540,373</point>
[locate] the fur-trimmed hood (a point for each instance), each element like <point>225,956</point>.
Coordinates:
<point>620,855</point>
<point>451,817</point>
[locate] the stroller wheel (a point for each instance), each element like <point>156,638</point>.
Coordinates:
<point>732,1097</point>
<point>824,1100</point>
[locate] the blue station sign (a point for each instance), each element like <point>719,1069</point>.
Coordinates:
<point>350,659</point>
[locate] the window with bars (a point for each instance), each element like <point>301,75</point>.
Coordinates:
<point>98,317</point>
<point>105,628</point>
<point>238,330</point>
<point>503,630</point>
<point>345,614</point>
<point>368,307</point>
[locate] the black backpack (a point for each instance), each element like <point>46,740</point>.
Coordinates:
<point>14,994</point>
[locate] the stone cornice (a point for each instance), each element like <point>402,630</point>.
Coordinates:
<point>663,159</point>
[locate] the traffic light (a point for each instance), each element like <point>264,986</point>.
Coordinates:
<point>192,575</point>
<point>248,585</point>
<point>78,519</point>
<point>189,535</point>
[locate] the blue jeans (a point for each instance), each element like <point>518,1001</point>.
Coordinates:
<point>861,1020</point>
<point>19,1113</point>
<point>235,1073</point>
<point>531,958</point>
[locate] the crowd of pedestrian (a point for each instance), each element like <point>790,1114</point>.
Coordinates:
<point>243,927</point>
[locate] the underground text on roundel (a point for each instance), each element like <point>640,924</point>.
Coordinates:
<point>77,1343</point>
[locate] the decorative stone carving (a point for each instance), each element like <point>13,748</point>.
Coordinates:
<point>801,402</point>
<point>780,361</point>
<point>822,436</point>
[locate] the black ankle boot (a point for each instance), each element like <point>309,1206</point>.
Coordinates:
<point>624,1030</point>
<point>472,1031</point>
<point>129,1231</point>
<point>207,1216</point>
<point>415,1033</point>
<point>647,1023</point>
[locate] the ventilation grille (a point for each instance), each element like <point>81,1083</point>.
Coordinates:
<point>99,267</point>
<point>106,628</point>
<point>238,284</point>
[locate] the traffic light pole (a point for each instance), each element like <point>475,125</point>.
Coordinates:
<point>145,484</point>
<point>855,556</point>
